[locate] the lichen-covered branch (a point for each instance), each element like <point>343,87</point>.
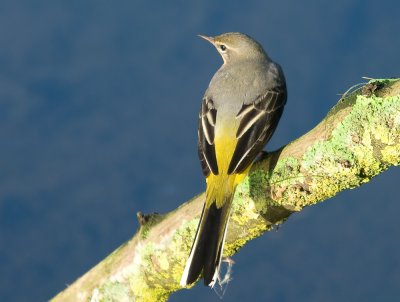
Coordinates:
<point>358,139</point>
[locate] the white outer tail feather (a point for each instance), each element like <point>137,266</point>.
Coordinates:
<point>189,261</point>
<point>185,274</point>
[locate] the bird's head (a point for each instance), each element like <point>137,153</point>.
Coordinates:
<point>236,46</point>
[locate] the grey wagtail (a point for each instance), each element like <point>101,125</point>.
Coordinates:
<point>239,113</point>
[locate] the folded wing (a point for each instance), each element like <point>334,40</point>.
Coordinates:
<point>206,135</point>
<point>258,121</point>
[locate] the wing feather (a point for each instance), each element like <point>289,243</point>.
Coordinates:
<point>206,135</point>
<point>258,121</point>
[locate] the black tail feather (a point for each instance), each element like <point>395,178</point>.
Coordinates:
<point>208,244</point>
<point>215,243</point>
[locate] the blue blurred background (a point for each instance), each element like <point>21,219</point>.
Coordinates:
<point>98,116</point>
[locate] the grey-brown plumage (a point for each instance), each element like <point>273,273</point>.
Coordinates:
<point>239,113</point>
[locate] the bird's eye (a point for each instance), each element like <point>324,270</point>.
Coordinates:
<point>222,47</point>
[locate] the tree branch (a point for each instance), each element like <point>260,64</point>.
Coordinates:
<point>358,139</point>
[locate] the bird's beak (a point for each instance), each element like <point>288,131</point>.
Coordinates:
<point>209,39</point>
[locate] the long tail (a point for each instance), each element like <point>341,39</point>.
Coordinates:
<point>208,245</point>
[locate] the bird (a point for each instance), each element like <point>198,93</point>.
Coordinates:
<point>239,113</point>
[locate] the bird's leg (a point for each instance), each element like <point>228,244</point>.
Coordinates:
<point>224,280</point>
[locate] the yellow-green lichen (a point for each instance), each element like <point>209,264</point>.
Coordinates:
<point>184,236</point>
<point>250,187</point>
<point>243,209</point>
<point>160,264</point>
<point>286,183</point>
<point>348,158</point>
<point>179,249</point>
<point>151,279</point>
<point>142,275</point>
<point>114,291</point>
<point>254,230</point>
<point>391,154</point>
<point>286,172</point>
<point>383,134</point>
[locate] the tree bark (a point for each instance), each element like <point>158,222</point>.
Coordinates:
<point>358,139</point>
